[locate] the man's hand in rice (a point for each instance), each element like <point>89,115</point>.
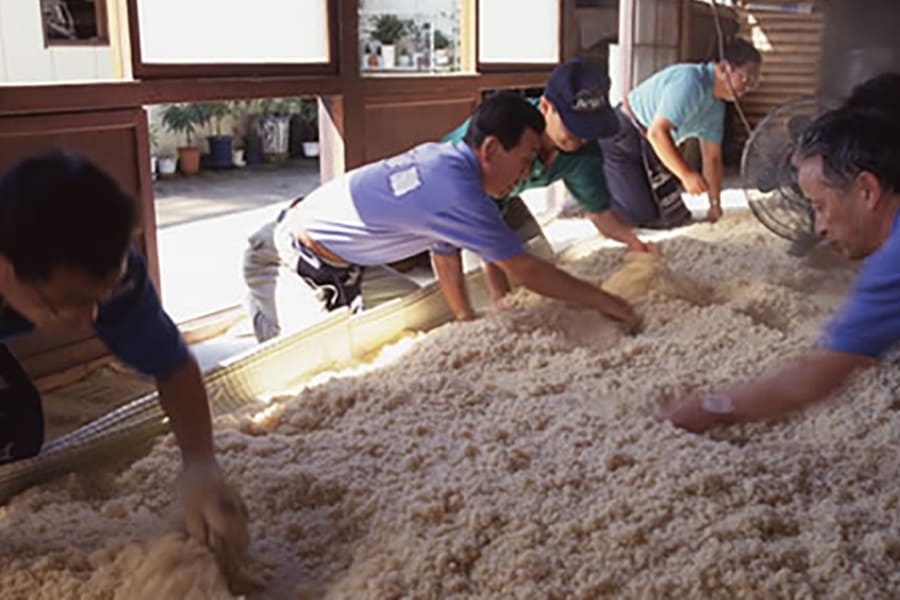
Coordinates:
<point>214,512</point>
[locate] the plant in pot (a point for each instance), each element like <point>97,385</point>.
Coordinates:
<point>274,126</point>
<point>153,139</point>
<point>387,29</point>
<point>185,119</point>
<point>219,144</point>
<point>309,114</point>
<point>441,49</point>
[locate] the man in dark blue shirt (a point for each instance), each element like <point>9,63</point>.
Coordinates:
<point>66,264</point>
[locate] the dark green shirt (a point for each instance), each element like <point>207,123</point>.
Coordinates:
<point>581,171</point>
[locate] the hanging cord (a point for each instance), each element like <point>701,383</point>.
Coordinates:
<point>721,39</point>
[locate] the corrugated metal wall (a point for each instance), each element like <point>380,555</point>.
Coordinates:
<point>791,45</point>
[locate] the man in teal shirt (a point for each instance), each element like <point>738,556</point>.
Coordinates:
<point>577,112</point>
<point>643,165</point>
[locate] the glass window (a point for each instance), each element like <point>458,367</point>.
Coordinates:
<point>74,21</point>
<point>212,31</point>
<point>518,31</point>
<point>413,36</point>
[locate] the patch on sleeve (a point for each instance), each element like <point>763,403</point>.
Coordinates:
<point>405,181</point>
<point>401,160</point>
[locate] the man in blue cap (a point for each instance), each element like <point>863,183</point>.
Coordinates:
<point>577,113</point>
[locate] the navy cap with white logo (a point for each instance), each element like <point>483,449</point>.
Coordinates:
<point>578,90</point>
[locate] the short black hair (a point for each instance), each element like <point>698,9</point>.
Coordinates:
<point>57,208</point>
<point>880,94</point>
<point>851,141</point>
<point>738,52</point>
<point>504,115</point>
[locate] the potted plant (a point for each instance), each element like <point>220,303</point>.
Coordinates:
<point>184,119</point>
<point>219,144</point>
<point>388,28</point>
<point>274,126</point>
<point>309,113</point>
<point>167,165</point>
<point>237,151</point>
<point>153,138</point>
<point>441,49</point>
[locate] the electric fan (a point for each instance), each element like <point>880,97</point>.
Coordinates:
<point>770,179</point>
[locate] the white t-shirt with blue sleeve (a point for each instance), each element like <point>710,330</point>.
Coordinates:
<point>429,198</point>
<point>868,323</point>
<point>683,95</point>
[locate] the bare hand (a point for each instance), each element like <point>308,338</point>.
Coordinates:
<point>466,315</point>
<point>695,184</point>
<point>502,304</point>
<point>714,213</point>
<point>214,513</point>
<point>647,247</point>
<point>620,310</point>
<point>691,415</point>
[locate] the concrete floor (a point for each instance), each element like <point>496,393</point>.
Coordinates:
<point>203,222</point>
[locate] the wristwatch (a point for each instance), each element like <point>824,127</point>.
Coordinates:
<point>717,404</point>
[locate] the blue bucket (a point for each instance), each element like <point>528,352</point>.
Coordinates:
<point>219,151</point>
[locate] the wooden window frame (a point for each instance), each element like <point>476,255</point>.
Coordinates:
<point>498,67</point>
<point>101,17</point>
<point>144,70</point>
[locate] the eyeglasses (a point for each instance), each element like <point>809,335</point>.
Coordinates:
<point>747,81</point>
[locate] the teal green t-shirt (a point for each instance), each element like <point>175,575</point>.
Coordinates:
<point>581,171</point>
<point>683,95</point>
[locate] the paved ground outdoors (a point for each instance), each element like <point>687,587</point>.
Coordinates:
<point>204,221</point>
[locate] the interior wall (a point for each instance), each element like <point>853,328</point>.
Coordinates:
<point>861,41</point>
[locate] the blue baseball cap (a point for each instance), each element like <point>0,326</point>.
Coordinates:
<point>578,90</point>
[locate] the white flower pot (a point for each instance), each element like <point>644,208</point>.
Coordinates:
<point>237,157</point>
<point>167,165</point>
<point>388,56</point>
<point>311,149</point>
<point>442,57</point>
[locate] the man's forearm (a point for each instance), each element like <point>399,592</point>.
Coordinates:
<point>612,226</point>
<point>451,280</point>
<point>813,378</point>
<point>183,397</point>
<point>665,149</point>
<point>712,171</point>
<point>547,280</point>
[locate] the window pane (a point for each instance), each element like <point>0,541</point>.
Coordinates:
<point>212,31</point>
<point>518,31</point>
<point>412,36</point>
<point>74,21</point>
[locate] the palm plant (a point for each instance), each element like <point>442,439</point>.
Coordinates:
<point>185,119</point>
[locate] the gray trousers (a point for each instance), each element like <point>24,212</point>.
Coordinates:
<point>281,302</point>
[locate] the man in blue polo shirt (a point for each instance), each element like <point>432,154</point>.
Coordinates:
<point>66,264</point>
<point>680,102</point>
<point>435,197</point>
<point>849,168</point>
<point>577,112</point>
